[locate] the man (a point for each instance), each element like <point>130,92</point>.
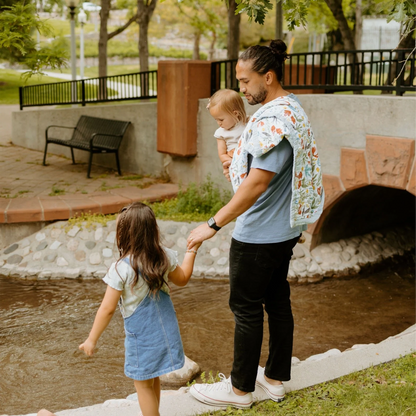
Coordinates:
<point>276,174</point>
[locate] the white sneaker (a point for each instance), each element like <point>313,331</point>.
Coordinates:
<point>276,393</point>
<point>221,394</point>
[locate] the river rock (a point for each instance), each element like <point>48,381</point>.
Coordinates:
<point>346,256</point>
<point>222,261</point>
<point>299,266</point>
<point>107,252</point>
<point>40,236</point>
<point>181,243</point>
<point>14,259</point>
<point>42,246</point>
<point>37,255</point>
<point>55,233</point>
<point>111,238</point>
<point>182,376</point>
<point>314,269</point>
<point>84,235</point>
<point>61,262</point>
<point>214,252</point>
<point>90,245</point>
<point>168,243</point>
<point>72,245</point>
<point>11,248</point>
<point>298,252</point>
<point>95,258</point>
<point>336,247</point>
<point>50,257</point>
<point>73,231</point>
<point>80,255</point>
<point>55,245</point>
<point>98,235</point>
<point>184,230</point>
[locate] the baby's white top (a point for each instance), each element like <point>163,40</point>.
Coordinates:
<point>230,136</point>
<point>120,278</point>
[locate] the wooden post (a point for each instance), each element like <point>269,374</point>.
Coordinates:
<point>180,84</point>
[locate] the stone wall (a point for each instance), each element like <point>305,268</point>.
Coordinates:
<point>63,251</point>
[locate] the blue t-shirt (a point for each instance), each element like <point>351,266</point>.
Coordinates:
<point>268,220</point>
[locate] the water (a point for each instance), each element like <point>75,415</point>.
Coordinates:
<point>43,322</point>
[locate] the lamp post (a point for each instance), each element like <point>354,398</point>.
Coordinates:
<point>82,19</point>
<point>72,4</point>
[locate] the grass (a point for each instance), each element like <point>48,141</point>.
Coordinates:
<point>196,203</point>
<point>384,390</point>
<point>92,71</point>
<point>10,81</point>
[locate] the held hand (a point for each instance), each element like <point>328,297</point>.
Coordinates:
<point>226,169</point>
<point>198,235</point>
<point>88,347</point>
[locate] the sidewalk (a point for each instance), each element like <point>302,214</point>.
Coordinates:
<point>31,192</point>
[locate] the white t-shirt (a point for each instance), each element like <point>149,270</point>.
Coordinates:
<point>230,136</point>
<point>121,275</point>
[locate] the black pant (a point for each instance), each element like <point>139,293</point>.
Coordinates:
<point>258,275</point>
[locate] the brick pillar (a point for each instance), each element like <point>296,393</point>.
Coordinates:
<point>179,86</point>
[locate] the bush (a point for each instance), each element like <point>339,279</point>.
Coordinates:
<point>196,203</point>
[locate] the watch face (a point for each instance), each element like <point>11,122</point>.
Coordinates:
<point>211,222</point>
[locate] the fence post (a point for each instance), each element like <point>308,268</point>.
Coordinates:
<point>21,98</point>
<point>400,78</point>
<point>83,92</point>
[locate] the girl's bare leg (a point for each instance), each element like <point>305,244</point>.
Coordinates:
<point>45,412</point>
<point>148,393</point>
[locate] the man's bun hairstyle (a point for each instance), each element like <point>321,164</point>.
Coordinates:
<point>267,58</point>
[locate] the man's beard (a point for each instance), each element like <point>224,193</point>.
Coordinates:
<point>259,97</point>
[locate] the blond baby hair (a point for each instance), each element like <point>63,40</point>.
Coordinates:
<point>229,101</point>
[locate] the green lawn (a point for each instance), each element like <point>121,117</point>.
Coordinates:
<point>10,81</point>
<point>384,390</point>
<point>92,72</point>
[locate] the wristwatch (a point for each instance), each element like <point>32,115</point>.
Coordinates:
<point>211,223</point>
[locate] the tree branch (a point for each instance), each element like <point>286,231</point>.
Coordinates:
<point>122,28</point>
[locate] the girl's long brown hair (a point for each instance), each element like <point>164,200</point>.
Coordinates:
<point>138,238</point>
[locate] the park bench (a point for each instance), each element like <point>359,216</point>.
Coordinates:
<point>92,134</point>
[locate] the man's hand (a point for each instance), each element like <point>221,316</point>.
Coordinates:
<point>226,169</point>
<point>200,234</point>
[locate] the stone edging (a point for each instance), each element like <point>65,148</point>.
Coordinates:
<point>58,251</point>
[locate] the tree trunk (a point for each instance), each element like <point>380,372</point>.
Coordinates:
<point>102,48</point>
<point>233,39</point>
<point>145,9</point>
<point>279,20</point>
<point>347,37</point>
<point>195,53</point>
<point>358,23</point>
<point>211,52</point>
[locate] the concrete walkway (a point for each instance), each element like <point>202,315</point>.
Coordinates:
<point>31,192</point>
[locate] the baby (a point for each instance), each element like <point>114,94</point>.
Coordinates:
<point>227,108</point>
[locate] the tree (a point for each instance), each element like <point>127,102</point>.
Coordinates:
<point>204,19</point>
<point>17,44</point>
<point>233,38</point>
<point>105,36</point>
<point>145,9</point>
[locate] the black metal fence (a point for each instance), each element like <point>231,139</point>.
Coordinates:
<point>326,72</point>
<point>135,86</point>
<point>382,70</point>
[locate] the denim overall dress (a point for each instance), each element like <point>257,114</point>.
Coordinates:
<point>153,342</point>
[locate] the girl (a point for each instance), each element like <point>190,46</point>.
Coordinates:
<point>138,281</point>
<point>227,108</point>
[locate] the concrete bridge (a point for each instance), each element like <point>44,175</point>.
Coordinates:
<point>366,145</point>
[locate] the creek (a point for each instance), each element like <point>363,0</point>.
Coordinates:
<point>43,322</point>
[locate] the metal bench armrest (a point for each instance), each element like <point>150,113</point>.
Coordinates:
<point>118,136</point>
<point>60,127</point>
